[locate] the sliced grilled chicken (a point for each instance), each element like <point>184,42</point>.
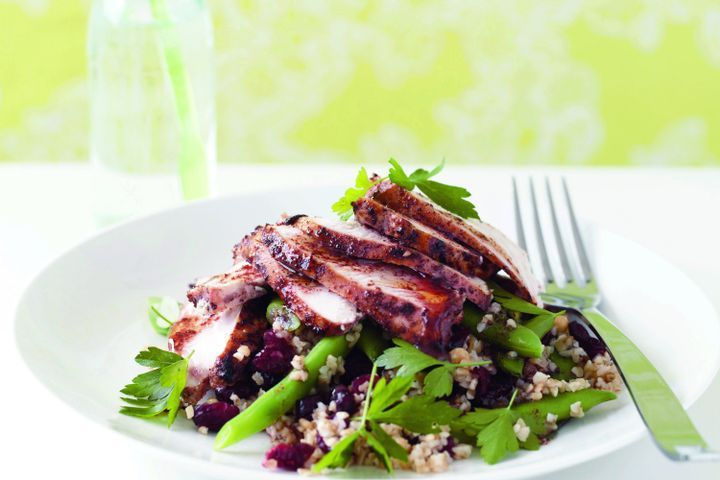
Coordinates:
<point>355,240</point>
<point>248,331</point>
<point>206,337</point>
<point>214,342</point>
<point>407,305</point>
<point>210,322</point>
<point>422,238</point>
<point>482,237</point>
<point>229,289</point>
<point>313,303</point>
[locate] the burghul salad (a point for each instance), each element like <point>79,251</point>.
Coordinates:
<point>405,335</point>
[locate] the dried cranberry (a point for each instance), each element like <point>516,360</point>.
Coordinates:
<point>449,447</point>
<point>529,370</point>
<point>343,398</point>
<point>275,357</point>
<point>484,378</point>
<point>498,392</point>
<point>270,380</point>
<point>243,389</point>
<point>590,344</point>
<point>214,415</point>
<point>459,336</point>
<point>306,406</point>
<point>356,364</point>
<point>360,381</point>
<point>289,456</point>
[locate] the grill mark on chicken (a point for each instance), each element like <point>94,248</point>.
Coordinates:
<point>422,238</point>
<point>213,339</point>
<point>482,237</point>
<point>314,304</point>
<point>407,305</point>
<point>355,240</point>
<point>248,331</point>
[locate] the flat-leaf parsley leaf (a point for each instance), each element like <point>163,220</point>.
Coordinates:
<point>438,382</point>
<point>384,404</point>
<point>158,390</point>
<point>498,438</point>
<point>343,207</point>
<point>450,197</point>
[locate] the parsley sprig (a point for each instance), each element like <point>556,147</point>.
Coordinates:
<point>438,381</point>
<point>343,207</point>
<point>449,197</point>
<point>420,414</point>
<point>158,390</point>
<point>494,431</point>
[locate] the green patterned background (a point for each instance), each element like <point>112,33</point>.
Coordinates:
<point>603,82</point>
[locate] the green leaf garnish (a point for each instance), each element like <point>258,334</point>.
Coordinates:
<point>420,414</point>
<point>384,404</point>
<point>162,313</point>
<point>450,197</point>
<point>340,454</point>
<point>394,449</point>
<point>438,382</point>
<point>498,438</point>
<point>493,427</point>
<point>343,207</point>
<point>158,390</point>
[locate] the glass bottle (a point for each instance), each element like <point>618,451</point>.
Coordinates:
<point>152,138</point>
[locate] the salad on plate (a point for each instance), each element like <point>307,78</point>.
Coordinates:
<point>404,335</point>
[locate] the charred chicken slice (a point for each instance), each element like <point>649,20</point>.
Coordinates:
<point>479,236</point>
<point>422,238</point>
<point>315,305</point>
<point>212,322</point>
<point>354,240</point>
<point>227,290</point>
<point>407,305</point>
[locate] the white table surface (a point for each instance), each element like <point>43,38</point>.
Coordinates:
<point>46,209</point>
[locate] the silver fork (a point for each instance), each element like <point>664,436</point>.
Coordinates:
<point>659,408</point>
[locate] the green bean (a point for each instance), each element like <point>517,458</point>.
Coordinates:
<point>535,413</point>
<point>277,310</point>
<point>519,339</point>
<point>513,366</point>
<point>472,315</point>
<point>564,364</point>
<point>274,308</point>
<point>541,324</point>
<point>264,411</point>
<point>371,341</point>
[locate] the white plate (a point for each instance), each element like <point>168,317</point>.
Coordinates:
<point>82,320</point>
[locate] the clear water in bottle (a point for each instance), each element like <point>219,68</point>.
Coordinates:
<point>139,133</point>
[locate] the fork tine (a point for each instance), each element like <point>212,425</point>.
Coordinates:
<point>564,261</point>
<point>518,217</point>
<point>582,253</point>
<point>547,269</point>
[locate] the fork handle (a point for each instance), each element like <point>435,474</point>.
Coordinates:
<point>671,428</point>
